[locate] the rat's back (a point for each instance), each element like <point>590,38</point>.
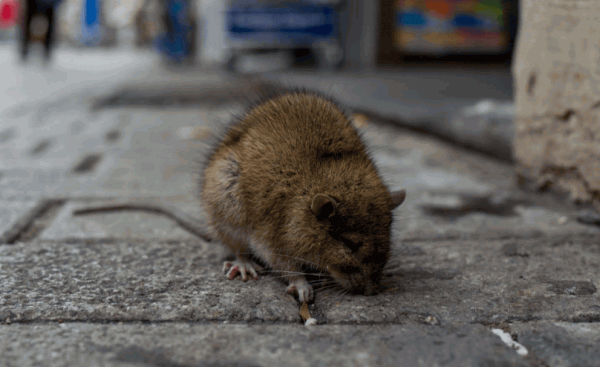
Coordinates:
<point>297,132</point>
<point>282,145</point>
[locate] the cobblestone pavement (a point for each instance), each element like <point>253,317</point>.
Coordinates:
<point>478,263</point>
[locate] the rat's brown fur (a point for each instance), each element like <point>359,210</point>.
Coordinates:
<point>292,183</point>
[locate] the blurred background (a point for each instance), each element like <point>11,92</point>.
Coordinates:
<point>332,34</point>
<point>70,66</point>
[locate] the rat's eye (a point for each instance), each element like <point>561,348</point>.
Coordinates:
<point>353,246</point>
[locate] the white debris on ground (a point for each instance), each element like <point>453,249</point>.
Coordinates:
<point>310,322</point>
<point>507,339</point>
<point>488,106</point>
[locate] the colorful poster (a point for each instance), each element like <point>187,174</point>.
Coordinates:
<point>450,26</point>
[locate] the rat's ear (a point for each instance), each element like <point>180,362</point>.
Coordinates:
<point>397,198</point>
<point>323,206</point>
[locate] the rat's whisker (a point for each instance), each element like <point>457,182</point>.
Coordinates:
<point>284,275</point>
<point>406,218</point>
<point>321,284</point>
<point>333,294</point>
<point>332,287</point>
<point>300,260</point>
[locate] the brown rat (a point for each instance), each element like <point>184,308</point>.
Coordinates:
<point>292,184</point>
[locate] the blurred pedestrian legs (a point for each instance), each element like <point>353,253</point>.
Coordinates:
<point>177,42</point>
<point>33,8</point>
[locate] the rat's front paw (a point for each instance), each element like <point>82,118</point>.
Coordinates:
<point>302,289</point>
<point>237,266</point>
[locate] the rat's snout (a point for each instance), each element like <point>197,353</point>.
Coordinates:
<point>367,289</point>
<point>370,290</point>
<point>357,282</point>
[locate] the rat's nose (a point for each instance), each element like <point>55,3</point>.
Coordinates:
<point>371,289</point>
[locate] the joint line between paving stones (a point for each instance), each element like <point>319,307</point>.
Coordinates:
<point>175,321</point>
<point>203,322</point>
<point>490,325</point>
<point>26,223</point>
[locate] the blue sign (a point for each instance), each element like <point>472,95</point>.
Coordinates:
<point>91,30</point>
<point>293,24</point>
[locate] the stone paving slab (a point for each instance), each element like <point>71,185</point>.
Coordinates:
<point>132,281</point>
<point>48,146</point>
<point>560,343</point>
<point>71,74</point>
<point>481,281</point>
<point>454,193</point>
<point>182,345</point>
<point>468,216</point>
<point>136,153</point>
<point>34,184</point>
<point>426,283</point>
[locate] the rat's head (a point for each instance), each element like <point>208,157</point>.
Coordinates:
<point>349,236</point>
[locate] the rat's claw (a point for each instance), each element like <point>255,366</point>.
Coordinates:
<point>253,272</point>
<point>233,268</point>
<point>233,272</point>
<point>226,266</point>
<point>302,289</point>
<point>305,294</point>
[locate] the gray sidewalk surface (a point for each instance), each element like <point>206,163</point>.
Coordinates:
<point>470,105</point>
<point>478,265</point>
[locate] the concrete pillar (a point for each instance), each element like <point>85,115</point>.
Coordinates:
<point>557,79</point>
<point>360,31</point>
<point>212,38</point>
<point>370,33</point>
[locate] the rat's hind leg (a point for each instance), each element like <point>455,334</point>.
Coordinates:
<point>221,195</point>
